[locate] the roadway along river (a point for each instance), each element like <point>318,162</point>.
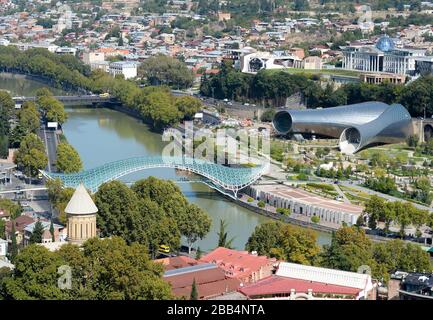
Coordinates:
<point>104,135</point>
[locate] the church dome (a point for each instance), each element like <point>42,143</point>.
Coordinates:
<point>81,203</point>
<point>385,44</point>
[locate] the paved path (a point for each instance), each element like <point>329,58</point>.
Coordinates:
<point>341,193</point>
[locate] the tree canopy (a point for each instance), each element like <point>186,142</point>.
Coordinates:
<point>106,269</point>
<point>165,70</point>
<point>31,156</point>
<point>284,241</point>
<point>152,212</point>
<point>68,159</point>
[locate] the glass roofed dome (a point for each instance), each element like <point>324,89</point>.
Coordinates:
<point>385,44</point>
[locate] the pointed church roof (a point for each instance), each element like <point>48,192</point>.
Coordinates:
<point>81,202</point>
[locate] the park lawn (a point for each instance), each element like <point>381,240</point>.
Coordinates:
<point>360,201</point>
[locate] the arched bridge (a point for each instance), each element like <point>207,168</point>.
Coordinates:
<point>224,179</point>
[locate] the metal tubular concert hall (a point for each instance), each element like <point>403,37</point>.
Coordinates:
<point>357,126</point>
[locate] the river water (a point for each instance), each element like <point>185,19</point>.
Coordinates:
<point>103,135</point>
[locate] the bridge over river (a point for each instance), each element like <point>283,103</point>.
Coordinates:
<point>227,180</point>
<point>78,100</point>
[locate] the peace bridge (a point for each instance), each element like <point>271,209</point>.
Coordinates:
<point>227,180</point>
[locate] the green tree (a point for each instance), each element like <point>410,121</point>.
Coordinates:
<point>120,271</point>
<point>265,237</point>
<point>11,207</point>
<point>412,141</point>
<point>28,122</point>
<point>315,219</point>
<point>117,211</point>
<point>13,251</point>
<point>397,255</point>
<point>195,225</point>
<point>31,155</point>
<point>38,230</point>
<point>6,113</point>
<point>29,117</point>
<point>403,215</point>
<point>35,276</point>
<point>222,236</point>
<point>418,219</point>
<point>194,293</point>
<point>349,249</point>
<point>53,239</point>
<point>164,70</point>
<point>52,109</point>
<point>283,241</point>
<point>68,159</point>
<point>374,208</point>
<point>160,110</point>
<point>59,197</point>
<point>157,227</point>
<point>188,106</point>
<point>388,215</point>
<point>106,269</point>
<point>2,229</point>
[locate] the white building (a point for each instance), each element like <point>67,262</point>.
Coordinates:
<point>303,204</point>
<point>3,248</point>
<point>383,57</point>
<point>66,50</point>
<point>127,68</point>
<point>25,46</point>
<point>359,281</point>
<point>4,42</point>
<point>253,62</point>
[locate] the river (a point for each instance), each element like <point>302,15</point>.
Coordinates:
<point>103,135</point>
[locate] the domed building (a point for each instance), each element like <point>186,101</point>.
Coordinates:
<point>81,213</point>
<point>383,57</point>
<point>385,44</point>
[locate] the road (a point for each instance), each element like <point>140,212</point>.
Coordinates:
<point>49,137</point>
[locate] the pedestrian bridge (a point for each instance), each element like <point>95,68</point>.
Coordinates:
<point>228,180</point>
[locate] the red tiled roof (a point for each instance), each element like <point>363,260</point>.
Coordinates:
<point>177,262</point>
<point>283,285</point>
<point>208,290</point>
<point>210,282</point>
<point>237,264</point>
<point>20,223</point>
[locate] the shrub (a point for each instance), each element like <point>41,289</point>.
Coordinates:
<point>315,219</point>
<point>261,204</point>
<point>283,211</point>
